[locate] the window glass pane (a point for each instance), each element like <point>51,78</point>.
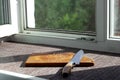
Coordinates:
<point>115,18</point>
<point>62,15</point>
<point>5,16</point>
<point>1,13</point>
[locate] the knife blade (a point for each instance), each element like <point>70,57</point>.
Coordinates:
<point>73,62</point>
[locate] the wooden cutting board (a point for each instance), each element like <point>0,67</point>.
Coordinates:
<point>54,60</point>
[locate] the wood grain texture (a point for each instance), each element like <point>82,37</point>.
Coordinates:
<point>54,60</point>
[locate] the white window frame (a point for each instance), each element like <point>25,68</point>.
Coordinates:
<point>10,29</point>
<point>103,40</point>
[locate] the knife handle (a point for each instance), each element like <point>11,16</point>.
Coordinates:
<point>67,69</point>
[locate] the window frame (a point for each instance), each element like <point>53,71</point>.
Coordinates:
<point>24,30</point>
<point>103,40</point>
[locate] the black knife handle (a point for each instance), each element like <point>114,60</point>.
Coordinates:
<point>67,69</point>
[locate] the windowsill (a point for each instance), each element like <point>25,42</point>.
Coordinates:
<point>106,46</point>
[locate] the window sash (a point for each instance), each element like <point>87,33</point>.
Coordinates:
<point>24,22</point>
<point>10,23</point>
<point>100,20</point>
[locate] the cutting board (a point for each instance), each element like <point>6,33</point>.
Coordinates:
<point>54,60</point>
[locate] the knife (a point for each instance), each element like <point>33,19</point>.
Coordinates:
<point>73,62</point>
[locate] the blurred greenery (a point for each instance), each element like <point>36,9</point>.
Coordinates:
<point>65,14</point>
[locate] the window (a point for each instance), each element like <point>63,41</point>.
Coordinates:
<point>34,30</point>
<point>44,22</point>
<point>67,16</point>
<point>5,16</point>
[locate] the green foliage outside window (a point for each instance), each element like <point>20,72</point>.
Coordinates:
<point>78,15</point>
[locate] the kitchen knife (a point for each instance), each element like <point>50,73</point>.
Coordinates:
<point>73,62</point>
